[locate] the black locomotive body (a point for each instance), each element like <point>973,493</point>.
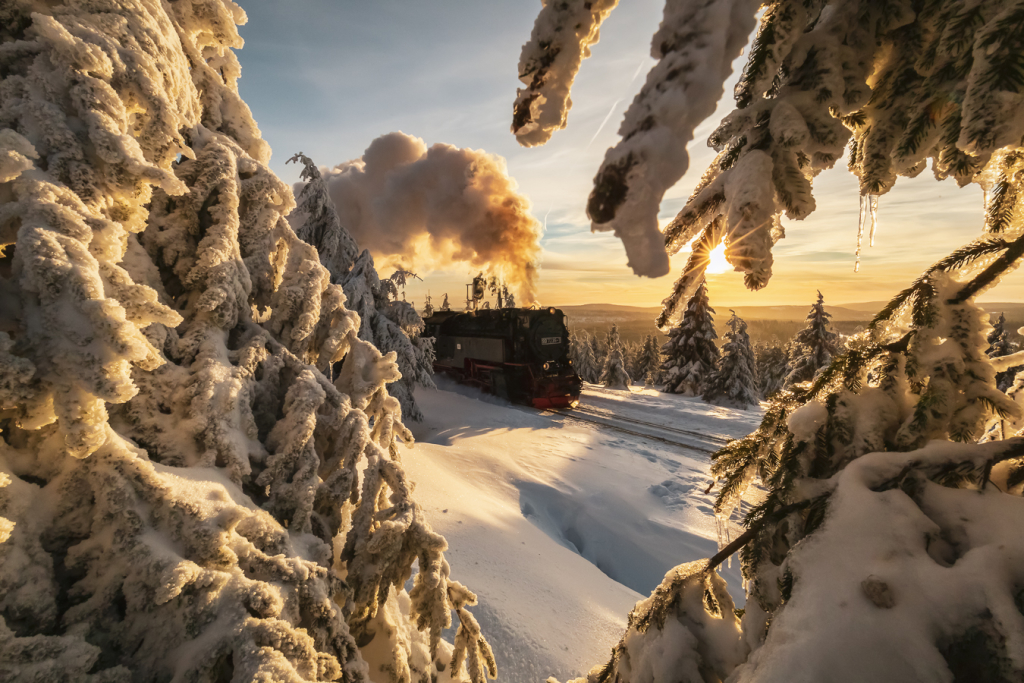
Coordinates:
<point>517,353</point>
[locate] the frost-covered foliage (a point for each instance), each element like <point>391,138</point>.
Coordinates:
<point>999,345</point>
<point>631,352</point>
<point>600,352</point>
<point>685,631</point>
<point>813,346</point>
<point>650,361</point>
<point>391,326</point>
<point>867,446</point>
<point>561,40</point>
<point>734,380</point>
<point>887,546</point>
<point>581,351</point>
<point>613,374</point>
<point>188,496</point>
<point>320,225</point>
<point>772,367</point>
<point>385,322</point>
<point>691,354</point>
<point>900,82</point>
<point>680,92</point>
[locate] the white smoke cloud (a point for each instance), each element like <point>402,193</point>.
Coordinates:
<point>422,209</point>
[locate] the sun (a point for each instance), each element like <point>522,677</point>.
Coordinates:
<point>718,264</point>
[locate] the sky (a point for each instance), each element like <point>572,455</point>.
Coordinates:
<point>326,77</point>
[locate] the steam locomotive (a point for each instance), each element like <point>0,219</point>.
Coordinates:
<point>519,354</point>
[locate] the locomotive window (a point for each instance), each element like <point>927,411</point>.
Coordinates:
<point>525,320</point>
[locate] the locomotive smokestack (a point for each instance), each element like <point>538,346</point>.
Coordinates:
<point>420,209</point>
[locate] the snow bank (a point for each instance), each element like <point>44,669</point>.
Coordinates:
<point>548,518</point>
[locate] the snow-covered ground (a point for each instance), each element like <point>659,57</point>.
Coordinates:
<point>562,521</point>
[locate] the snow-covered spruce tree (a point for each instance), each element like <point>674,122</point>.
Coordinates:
<point>691,354</point>
<point>631,355</point>
<point>881,508</point>
<point>613,374</point>
<point>579,349</point>
<point>650,361</point>
<point>187,495</point>
<point>772,367</point>
<point>386,322</point>
<point>813,346</point>
<point>734,381</point>
<point>584,360</point>
<point>999,345</point>
<point>600,351</point>
<point>998,340</point>
<point>320,224</point>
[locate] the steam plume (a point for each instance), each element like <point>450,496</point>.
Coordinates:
<point>420,209</point>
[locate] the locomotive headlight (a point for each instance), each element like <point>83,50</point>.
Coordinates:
<point>547,366</point>
<point>551,311</point>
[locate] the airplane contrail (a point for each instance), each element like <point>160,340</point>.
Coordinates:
<point>638,68</point>
<point>603,123</point>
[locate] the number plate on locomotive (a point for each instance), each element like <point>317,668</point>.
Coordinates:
<point>550,340</point>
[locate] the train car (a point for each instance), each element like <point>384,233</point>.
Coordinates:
<point>517,353</point>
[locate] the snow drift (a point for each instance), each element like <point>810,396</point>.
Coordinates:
<point>419,208</point>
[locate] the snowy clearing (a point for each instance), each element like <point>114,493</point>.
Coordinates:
<point>560,525</point>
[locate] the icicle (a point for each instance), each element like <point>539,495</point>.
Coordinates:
<point>874,219</point>
<point>868,211</point>
<point>860,230</point>
<point>728,540</point>
<point>984,199</point>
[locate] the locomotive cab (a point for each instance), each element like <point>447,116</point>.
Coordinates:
<point>517,353</point>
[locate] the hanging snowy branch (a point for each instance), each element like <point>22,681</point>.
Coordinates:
<point>878,491</point>
<point>901,84</point>
<point>561,40</point>
<point>680,92</point>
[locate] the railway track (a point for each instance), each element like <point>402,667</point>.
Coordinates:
<point>606,415</point>
<point>582,416</point>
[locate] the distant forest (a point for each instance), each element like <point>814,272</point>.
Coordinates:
<point>634,323</point>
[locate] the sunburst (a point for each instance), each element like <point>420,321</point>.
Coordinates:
<point>717,263</point>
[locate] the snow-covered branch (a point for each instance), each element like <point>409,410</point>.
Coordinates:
<point>561,40</point>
